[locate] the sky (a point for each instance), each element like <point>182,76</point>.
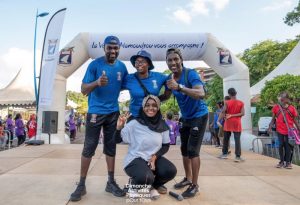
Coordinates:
<point>238,24</point>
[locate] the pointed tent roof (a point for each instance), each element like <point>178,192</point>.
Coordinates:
<point>19,92</point>
<point>290,65</point>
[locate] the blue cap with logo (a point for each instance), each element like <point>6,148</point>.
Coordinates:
<point>111,40</point>
<point>143,54</point>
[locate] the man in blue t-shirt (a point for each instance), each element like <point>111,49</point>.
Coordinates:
<point>102,83</point>
<point>187,87</point>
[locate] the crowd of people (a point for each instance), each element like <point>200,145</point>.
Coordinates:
<point>16,127</point>
<point>144,129</point>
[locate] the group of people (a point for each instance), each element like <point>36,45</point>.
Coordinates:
<point>144,129</point>
<point>17,127</point>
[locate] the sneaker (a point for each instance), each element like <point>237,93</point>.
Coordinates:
<point>239,159</point>
<point>280,165</point>
<point>113,187</point>
<point>223,156</point>
<point>191,191</point>
<point>162,189</point>
<point>182,183</point>
<point>154,195</point>
<point>78,193</point>
<point>288,165</point>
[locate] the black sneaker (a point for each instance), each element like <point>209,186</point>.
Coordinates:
<point>162,189</point>
<point>182,183</point>
<point>113,187</point>
<point>78,193</point>
<point>190,191</point>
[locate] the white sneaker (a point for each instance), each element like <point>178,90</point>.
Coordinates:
<point>154,195</point>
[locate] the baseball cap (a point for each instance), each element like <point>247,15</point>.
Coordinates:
<point>111,40</point>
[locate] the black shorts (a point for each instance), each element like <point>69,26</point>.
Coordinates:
<point>191,134</point>
<point>92,132</point>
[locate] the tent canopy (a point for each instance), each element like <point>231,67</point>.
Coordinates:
<point>18,93</point>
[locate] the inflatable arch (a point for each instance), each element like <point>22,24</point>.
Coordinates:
<point>194,46</point>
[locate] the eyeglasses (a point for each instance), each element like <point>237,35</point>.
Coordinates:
<point>140,62</point>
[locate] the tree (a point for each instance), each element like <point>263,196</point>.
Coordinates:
<point>80,100</point>
<point>214,91</point>
<point>273,88</point>
<point>293,17</point>
<point>169,105</point>
<point>265,56</point>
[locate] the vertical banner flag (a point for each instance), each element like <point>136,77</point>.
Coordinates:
<point>50,57</point>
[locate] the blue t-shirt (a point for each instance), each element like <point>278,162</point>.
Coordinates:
<point>189,107</point>
<point>216,116</point>
<point>153,84</point>
<point>104,100</point>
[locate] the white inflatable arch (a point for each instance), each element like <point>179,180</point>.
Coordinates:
<point>194,46</point>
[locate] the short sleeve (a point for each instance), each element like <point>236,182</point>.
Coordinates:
<point>126,132</point>
<point>294,111</point>
<point>275,109</point>
<point>166,137</point>
<point>194,79</point>
<point>125,82</point>
<point>90,74</point>
<point>125,72</point>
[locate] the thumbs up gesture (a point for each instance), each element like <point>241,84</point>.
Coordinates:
<point>172,84</point>
<point>102,80</point>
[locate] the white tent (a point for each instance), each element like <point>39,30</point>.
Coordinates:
<point>290,65</point>
<point>19,92</point>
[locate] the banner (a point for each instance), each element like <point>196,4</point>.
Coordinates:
<point>50,57</point>
<point>192,45</point>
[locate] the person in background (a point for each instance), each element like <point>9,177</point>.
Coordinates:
<point>286,116</point>
<point>148,139</point>
<point>72,127</point>
<point>32,126</point>
<point>2,135</point>
<point>173,128</point>
<point>20,131</point>
<point>9,126</point>
<point>79,123</point>
<point>215,125</point>
<point>233,111</point>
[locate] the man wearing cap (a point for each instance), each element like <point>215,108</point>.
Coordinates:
<point>144,82</point>
<point>102,83</point>
<point>187,87</point>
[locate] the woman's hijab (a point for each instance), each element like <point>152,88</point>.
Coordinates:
<point>155,123</point>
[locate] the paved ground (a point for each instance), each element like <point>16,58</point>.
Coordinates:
<point>47,174</point>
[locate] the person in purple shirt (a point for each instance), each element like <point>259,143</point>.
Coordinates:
<point>173,126</point>
<point>72,127</point>
<point>20,131</point>
<point>9,126</point>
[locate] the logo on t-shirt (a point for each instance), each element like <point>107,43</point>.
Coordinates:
<point>118,76</point>
<point>154,84</point>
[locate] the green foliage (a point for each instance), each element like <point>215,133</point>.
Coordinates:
<point>293,17</point>
<point>80,100</point>
<point>261,111</point>
<point>273,88</point>
<point>263,57</point>
<point>214,92</point>
<point>169,105</point>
